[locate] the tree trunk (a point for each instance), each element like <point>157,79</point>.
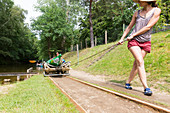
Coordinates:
<point>72,48</point>
<point>72,45</point>
<point>67,12</point>
<point>49,47</point>
<point>63,44</point>
<point>91,24</point>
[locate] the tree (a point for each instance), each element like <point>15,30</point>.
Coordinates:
<point>5,41</point>
<point>15,45</point>
<point>164,17</point>
<point>53,27</point>
<point>91,24</point>
<point>108,15</point>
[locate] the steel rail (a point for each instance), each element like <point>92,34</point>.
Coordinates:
<point>78,106</point>
<point>123,96</point>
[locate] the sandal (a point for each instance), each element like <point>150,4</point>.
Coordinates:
<point>128,86</point>
<point>148,92</point>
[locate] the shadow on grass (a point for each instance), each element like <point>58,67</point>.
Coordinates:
<point>121,83</point>
<point>117,81</point>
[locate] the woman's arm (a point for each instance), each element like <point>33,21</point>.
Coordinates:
<point>150,24</point>
<point>127,30</point>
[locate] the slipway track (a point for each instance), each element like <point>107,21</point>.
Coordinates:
<point>90,98</point>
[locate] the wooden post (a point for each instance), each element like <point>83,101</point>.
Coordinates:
<point>95,40</point>
<point>29,70</point>
<point>105,36</point>
<point>78,53</point>
<point>81,45</point>
<point>18,78</point>
<point>123,27</point>
<point>86,42</point>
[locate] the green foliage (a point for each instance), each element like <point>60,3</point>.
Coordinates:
<point>55,26</point>
<point>163,21</point>
<point>108,15</point>
<point>15,37</point>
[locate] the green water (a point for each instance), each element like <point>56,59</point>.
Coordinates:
<point>16,68</point>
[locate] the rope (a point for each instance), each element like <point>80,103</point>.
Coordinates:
<point>109,49</point>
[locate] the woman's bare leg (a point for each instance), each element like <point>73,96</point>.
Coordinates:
<point>138,65</point>
<point>133,72</point>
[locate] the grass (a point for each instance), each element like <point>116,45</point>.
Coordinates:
<point>36,95</point>
<point>117,64</point>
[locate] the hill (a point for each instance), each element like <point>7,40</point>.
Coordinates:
<point>117,63</point>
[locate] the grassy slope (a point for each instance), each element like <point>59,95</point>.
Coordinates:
<point>35,95</point>
<point>118,63</point>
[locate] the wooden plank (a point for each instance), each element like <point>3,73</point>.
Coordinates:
<point>17,74</point>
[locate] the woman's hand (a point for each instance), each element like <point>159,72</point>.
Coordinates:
<point>120,41</point>
<point>130,38</point>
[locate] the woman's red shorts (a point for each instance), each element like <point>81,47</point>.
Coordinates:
<point>143,45</point>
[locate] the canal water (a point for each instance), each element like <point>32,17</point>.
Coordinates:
<point>16,68</point>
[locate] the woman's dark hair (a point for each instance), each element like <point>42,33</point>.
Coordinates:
<point>153,4</point>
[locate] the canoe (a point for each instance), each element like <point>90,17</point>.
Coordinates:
<point>32,61</point>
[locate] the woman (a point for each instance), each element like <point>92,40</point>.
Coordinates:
<point>139,41</point>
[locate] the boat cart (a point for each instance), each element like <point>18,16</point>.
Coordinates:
<point>50,70</point>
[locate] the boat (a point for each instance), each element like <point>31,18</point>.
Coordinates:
<point>32,61</point>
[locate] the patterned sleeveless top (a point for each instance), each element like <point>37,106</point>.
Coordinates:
<point>140,23</point>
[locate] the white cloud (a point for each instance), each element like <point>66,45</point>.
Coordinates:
<point>29,6</point>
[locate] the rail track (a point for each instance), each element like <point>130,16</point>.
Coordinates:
<point>82,108</point>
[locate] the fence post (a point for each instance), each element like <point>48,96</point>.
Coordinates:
<point>81,45</point>
<point>78,53</point>
<point>105,36</point>
<point>95,40</point>
<point>86,42</point>
<point>18,78</point>
<point>123,27</point>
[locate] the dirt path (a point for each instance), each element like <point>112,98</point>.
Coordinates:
<point>97,101</point>
<point>5,88</point>
<point>101,81</point>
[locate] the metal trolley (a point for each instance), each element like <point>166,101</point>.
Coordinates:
<point>50,70</point>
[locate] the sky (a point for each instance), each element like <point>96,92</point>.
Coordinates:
<point>29,6</point>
